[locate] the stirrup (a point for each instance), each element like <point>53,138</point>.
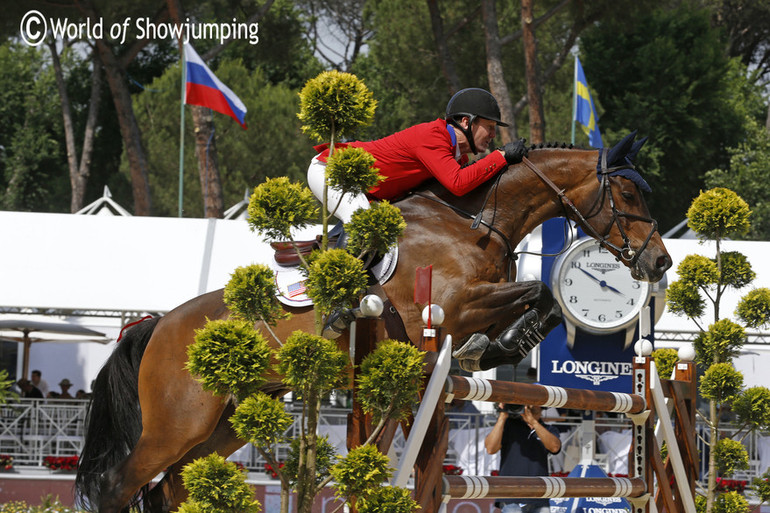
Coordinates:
<point>337,322</point>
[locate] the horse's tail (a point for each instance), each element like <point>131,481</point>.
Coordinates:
<point>114,419</point>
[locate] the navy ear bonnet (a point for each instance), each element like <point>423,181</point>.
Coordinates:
<point>620,161</point>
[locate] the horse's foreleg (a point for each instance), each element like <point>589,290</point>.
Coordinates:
<point>535,311</point>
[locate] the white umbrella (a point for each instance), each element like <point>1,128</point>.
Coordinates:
<point>27,332</point>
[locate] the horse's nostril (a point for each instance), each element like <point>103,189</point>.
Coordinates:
<point>663,262</point>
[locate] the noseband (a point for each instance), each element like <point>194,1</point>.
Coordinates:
<point>626,252</point>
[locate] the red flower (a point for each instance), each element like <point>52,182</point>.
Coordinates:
<point>452,470</point>
<point>728,485</point>
<point>273,473</point>
<point>61,462</point>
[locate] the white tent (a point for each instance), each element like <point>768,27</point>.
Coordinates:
<point>101,271</point>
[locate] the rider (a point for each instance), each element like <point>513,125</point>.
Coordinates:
<point>436,149</point>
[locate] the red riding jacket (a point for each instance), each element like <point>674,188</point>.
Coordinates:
<point>409,157</point>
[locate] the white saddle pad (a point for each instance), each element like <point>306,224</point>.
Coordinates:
<point>290,282</point>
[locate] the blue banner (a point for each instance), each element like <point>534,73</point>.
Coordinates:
<point>590,504</point>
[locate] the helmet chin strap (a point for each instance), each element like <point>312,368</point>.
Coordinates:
<point>467,132</point>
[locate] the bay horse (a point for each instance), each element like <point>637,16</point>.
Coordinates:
<point>149,415</point>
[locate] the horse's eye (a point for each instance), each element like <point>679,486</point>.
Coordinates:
<point>627,196</point>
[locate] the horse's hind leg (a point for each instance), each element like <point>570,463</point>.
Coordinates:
<point>170,492</point>
<point>512,345</point>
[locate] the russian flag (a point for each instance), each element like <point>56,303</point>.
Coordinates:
<point>203,88</point>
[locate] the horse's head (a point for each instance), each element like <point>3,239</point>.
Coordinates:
<point>618,216</point>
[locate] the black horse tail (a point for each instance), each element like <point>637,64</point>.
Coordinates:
<point>114,419</point>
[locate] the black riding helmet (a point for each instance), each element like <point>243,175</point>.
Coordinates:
<point>473,103</point>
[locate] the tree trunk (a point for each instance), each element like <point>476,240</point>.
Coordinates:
<point>208,163</point>
<point>497,85</point>
<point>78,172</point>
<point>129,129</point>
<point>77,182</point>
<point>536,119</point>
<point>93,115</point>
<point>444,57</point>
<point>712,472</point>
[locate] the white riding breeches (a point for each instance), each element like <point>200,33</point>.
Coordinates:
<point>346,204</point>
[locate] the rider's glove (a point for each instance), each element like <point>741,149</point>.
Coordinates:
<point>515,151</point>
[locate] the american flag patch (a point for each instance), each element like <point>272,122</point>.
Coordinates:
<point>295,289</point>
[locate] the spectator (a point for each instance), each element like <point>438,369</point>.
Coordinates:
<point>28,390</point>
<point>525,442</point>
<point>65,385</point>
<point>39,383</point>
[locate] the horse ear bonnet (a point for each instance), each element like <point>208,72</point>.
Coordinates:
<point>622,156</point>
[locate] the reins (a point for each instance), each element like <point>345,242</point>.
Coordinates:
<point>626,252</point>
<point>477,220</point>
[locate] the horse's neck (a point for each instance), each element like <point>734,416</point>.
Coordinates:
<point>525,200</point>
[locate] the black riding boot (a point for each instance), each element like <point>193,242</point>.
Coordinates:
<point>513,344</point>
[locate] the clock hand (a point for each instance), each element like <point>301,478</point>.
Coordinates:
<point>602,283</point>
<point>597,280</point>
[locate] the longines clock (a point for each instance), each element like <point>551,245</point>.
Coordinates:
<point>596,292</point>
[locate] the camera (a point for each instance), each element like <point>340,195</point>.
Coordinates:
<point>512,409</point>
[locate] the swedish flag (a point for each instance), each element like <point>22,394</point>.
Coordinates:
<point>585,110</point>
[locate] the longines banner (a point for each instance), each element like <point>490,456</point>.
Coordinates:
<point>594,362</point>
<point>590,504</point>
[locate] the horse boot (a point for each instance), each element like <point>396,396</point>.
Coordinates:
<point>513,345</point>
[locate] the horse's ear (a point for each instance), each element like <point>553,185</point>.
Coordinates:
<point>635,148</point>
<point>621,149</point>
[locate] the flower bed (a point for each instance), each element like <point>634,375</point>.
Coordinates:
<point>61,462</point>
<point>6,462</point>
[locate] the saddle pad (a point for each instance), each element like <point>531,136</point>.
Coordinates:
<point>290,282</point>
<point>290,286</point>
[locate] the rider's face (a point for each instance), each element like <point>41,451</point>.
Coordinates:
<point>484,131</point>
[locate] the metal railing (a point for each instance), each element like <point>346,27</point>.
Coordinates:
<point>34,429</point>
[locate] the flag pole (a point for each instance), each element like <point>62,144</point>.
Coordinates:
<point>181,133</point>
<point>574,100</point>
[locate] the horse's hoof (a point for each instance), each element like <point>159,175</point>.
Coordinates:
<point>469,365</point>
<point>473,349</point>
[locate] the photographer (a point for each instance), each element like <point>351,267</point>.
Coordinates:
<point>525,442</point>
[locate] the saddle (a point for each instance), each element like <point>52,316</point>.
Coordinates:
<point>286,256</point>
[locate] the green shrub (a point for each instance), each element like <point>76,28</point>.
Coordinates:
<point>229,357</point>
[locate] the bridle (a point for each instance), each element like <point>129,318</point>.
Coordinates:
<point>626,252</point>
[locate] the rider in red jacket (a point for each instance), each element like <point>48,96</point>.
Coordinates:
<point>436,149</point>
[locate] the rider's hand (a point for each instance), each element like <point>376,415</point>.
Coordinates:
<point>514,151</point>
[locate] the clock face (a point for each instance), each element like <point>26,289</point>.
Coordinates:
<point>595,291</point>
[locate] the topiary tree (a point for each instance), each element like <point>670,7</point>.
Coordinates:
<point>217,486</point>
<point>717,215</point>
<point>333,104</point>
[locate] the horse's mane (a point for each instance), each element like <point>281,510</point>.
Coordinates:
<point>555,145</point>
